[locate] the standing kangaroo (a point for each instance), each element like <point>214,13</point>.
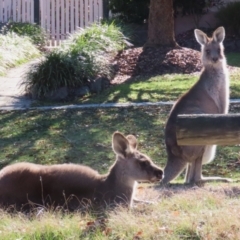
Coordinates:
<point>209,95</point>
<point>72,185</point>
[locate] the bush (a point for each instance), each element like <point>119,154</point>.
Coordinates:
<point>133,11</point>
<point>34,31</point>
<point>229,17</point>
<point>86,55</point>
<point>189,7</point>
<point>15,50</point>
<point>58,69</point>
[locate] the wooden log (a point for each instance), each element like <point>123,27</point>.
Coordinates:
<point>208,129</point>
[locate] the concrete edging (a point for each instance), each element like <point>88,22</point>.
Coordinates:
<point>101,105</point>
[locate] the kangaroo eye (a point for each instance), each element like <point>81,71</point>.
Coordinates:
<point>208,52</point>
<point>144,164</point>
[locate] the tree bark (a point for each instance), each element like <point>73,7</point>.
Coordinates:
<point>161,24</point>
<point>208,129</point>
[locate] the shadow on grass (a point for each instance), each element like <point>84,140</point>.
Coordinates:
<point>78,136</point>
<point>84,136</point>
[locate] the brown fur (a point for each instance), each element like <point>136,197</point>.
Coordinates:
<point>209,95</point>
<point>73,185</point>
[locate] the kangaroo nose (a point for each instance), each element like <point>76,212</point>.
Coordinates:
<point>214,59</point>
<point>159,174</point>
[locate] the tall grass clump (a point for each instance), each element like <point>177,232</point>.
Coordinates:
<point>58,69</point>
<point>15,50</point>
<point>229,17</point>
<point>35,32</point>
<point>87,54</point>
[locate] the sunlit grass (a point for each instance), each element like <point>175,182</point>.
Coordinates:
<point>153,89</point>
<point>209,212</point>
<point>15,50</point>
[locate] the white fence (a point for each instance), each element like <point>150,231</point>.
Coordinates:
<point>57,17</point>
<point>61,17</point>
<point>17,10</point>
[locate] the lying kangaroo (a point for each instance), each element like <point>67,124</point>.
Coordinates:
<point>210,94</point>
<point>74,185</point>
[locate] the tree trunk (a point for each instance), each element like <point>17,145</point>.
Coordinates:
<point>208,129</point>
<point>161,24</point>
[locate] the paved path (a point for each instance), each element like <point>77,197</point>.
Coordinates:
<point>12,91</point>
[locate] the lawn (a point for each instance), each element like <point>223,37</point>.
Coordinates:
<point>84,136</point>
<point>153,89</point>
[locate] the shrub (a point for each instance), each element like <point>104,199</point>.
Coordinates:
<point>15,50</point>
<point>34,31</point>
<point>83,57</point>
<point>229,17</point>
<point>133,11</point>
<point>189,7</point>
<point>58,69</point>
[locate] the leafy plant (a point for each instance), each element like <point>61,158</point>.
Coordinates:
<point>86,55</point>
<point>229,17</point>
<point>34,31</point>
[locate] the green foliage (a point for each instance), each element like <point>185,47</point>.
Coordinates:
<point>99,38</point>
<point>233,59</point>
<point>134,11</point>
<point>34,31</point>
<point>58,69</point>
<point>14,50</point>
<point>189,7</point>
<point>229,17</point>
<point>84,56</point>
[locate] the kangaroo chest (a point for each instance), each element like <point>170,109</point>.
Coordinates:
<point>217,87</point>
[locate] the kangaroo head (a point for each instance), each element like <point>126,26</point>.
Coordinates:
<point>136,165</point>
<point>212,48</point>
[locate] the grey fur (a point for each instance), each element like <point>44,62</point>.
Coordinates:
<point>209,95</point>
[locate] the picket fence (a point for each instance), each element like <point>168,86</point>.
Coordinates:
<point>59,18</point>
<point>17,10</point>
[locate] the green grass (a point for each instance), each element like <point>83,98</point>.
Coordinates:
<point>199,213</point>
<point>233,59</point>
<point>146,89</point>
<point>153,89</point>
<point>84,136</point>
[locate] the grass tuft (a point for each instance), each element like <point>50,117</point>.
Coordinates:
<point>15,50</point>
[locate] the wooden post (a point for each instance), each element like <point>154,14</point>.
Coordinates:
<point>208,129</point>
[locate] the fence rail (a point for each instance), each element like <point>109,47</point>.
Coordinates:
<point>57,17</point>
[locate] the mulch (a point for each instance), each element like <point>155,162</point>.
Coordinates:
<point>137,61</point>
<point>156,61</point>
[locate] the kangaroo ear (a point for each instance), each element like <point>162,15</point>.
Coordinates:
<point>132,141</point>
<point>121,145</point>
<point>200,36</point>
<point>219,35</point>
